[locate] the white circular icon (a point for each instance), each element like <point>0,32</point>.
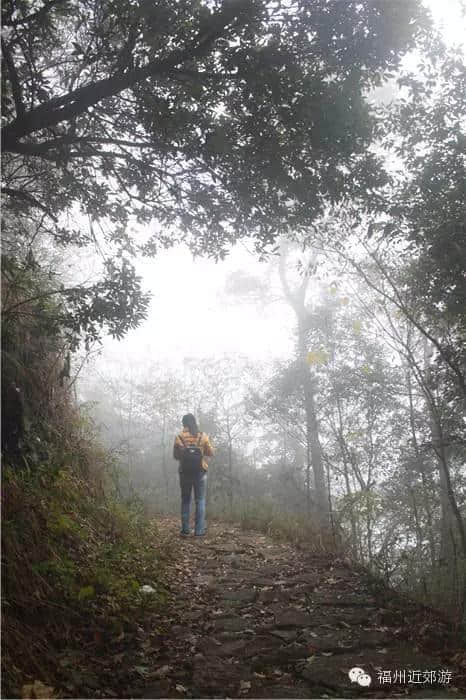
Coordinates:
<point>365,680</point>
<point>358,675</point>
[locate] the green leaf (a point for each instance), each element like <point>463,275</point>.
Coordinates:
<point>86,593</point>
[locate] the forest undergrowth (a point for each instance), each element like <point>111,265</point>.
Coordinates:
<point>76,547</point>
<point>298,529</point>
<point>76,558</point>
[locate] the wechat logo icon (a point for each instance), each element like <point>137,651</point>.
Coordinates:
<point>358,675</point>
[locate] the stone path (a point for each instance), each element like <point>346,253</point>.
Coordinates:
<point>252,618</point>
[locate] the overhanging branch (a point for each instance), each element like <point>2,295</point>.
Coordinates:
<point>77,101</point>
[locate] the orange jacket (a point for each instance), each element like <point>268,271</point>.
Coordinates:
<point>201,438</point>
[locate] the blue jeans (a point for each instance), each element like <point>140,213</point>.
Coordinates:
<point>198,482</point>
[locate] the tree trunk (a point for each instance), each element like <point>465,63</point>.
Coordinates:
<point>454,566</point>
<point>422,471</point>
<point>343,452</point>
<point>449,507</point>
<point>164,457</point>
<point>296,299</point>
<point>230,464</point>
<point>314,448</point>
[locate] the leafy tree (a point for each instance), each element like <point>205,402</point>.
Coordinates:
<point>207,121</point>
<point>430,399</point>
<point>188,110</point>
<point>425,127</point>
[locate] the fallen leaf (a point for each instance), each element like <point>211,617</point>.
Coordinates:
<point>180,688</point>
<point>142,670</point>
<point>37,690</point>
<point>244,685</point>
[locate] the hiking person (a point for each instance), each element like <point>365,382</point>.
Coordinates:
<point>191,449</point>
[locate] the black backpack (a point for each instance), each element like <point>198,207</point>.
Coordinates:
<point>191,459</point>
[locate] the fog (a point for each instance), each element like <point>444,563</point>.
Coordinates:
<point>190,296</point>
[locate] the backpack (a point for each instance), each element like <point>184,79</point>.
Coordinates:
<point>191,460</point>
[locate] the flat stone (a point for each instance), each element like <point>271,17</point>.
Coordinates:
<point>245,564</point>
<point>343,600</point>
<point>195,615</point>
<point>332,642</point>
<point>275,572</point>
<point>231,648</point>
<point>208,646</point>
<point>227,549</point>
<point>231,624</point>
<point>368,639</point>
<point>243,595</point>
<point>275,594</point>
<point>286,635</point>
<point>344,616</point>
<point>206,580</point>
<point>278,607</point>
<point>233,636</point>
<point>289,652</point>
<point>303,578</point>
<point>347,640</point>
<point>261,644</point>
<point>267,596</point>
<point>160,689</point>
<point>216,676</point>
<point>293,618</point>
<point>341,572</point>
<point>354,617</point>
<point>211,564</point>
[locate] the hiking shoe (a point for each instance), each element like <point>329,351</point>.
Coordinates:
<point>183,533</point>
<point>199,534</point>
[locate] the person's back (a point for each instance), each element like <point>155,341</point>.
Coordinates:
<point>191,449</point>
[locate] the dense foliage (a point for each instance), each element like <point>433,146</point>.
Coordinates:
<point>75,551</point>
<point>203,121</point>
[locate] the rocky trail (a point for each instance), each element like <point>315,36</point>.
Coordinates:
<point>251,618</point>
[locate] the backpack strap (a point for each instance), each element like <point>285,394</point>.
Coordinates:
<point>181,440</point>
<point>199,439</point>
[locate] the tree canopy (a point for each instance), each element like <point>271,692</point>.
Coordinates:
<point>213,120</point>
